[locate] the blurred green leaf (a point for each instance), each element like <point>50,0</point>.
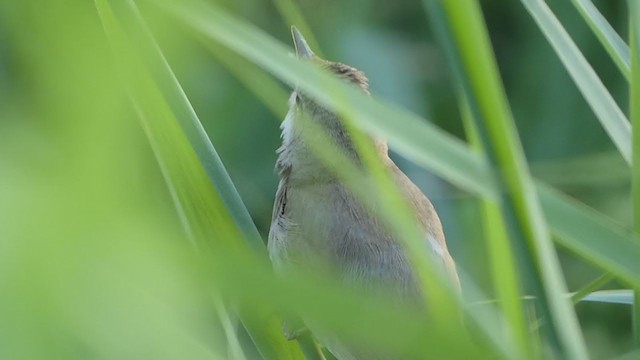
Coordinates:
<point>591,287</point>
<point>505,273</point>
<point>599,99</point>
<point>611,296</point>
<point>188,160</point>
<point>634,95</point>
<point>617,49</point>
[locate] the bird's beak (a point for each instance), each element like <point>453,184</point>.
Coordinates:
<point>302,48</point>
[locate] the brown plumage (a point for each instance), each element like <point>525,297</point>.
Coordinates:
<point>318,222</point>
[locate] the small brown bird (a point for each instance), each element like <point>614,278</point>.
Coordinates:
<point>318,221</point>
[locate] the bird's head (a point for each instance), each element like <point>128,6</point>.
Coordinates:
<point>306,117</point>
<point>343,72</point>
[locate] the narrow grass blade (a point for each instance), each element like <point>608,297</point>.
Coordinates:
<point>591,287</point>
<point>504,270</point>
<point>161,103</point>
<point>234,350</point>
<point>599,99</point>
<point>617,49</point>
<point>634,29</point>
<point>624,297</point>
<point>534,252</point>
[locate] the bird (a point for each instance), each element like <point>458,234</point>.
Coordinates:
<point>317,221</point>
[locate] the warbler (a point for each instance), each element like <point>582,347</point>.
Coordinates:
<point>318,221</point>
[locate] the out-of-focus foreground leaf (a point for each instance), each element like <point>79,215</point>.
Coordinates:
<point>611,296</point>
<point>586,79</point>
<point>163,107</point>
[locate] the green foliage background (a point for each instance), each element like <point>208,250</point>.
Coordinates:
<point>95,261</point>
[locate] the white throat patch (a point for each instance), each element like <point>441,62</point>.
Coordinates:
<point>287,123</point>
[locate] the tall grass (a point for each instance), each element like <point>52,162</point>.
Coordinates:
<point>193,281</point>
<point>634,26</point>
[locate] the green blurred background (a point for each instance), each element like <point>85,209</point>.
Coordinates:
<point>93,262</point>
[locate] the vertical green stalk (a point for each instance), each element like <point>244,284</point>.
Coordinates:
<point>634,101</point>
<point>519,203</point>
<point>504,269</point>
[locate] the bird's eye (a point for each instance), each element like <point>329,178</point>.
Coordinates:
<point>294,99</point>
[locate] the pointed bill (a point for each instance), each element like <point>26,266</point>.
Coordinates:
<point>302,48</point>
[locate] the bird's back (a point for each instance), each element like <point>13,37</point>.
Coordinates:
<point>324,224</point>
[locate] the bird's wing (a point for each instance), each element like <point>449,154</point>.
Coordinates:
<point>277,241</point>
<point>430,221</point>
<point>442,257</point>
